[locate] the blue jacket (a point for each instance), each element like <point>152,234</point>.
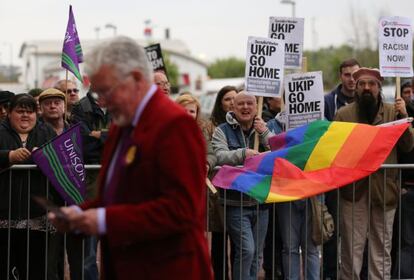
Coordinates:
<point>333,101</point>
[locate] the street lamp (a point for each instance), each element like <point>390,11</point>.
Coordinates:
<point>290,2</point>
<point>111,26</point>
<point>97,29</point>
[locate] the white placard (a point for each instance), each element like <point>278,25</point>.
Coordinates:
<point>395,47</point>
<point>291,31</point>
<point>304,98</point>
<point>264,66</point>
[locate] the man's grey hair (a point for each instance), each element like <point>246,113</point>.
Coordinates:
<point>123,53</point>
<point>61,84</point>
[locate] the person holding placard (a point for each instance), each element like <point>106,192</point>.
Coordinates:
<point>366,208</point>
<point>233,142</point>
<point>403,256</point>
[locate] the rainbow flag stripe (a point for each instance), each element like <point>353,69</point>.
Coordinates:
<point>312,159</point>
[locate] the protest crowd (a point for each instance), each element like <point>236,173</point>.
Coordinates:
<point>158,206</point>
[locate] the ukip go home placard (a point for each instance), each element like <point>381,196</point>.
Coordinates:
<point>264,66</point>
<point>291,31</point>
<point>304,98</point>
<point>395,47</point>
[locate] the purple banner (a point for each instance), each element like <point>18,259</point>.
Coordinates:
<point>72,51</point>
<point>61,161</point>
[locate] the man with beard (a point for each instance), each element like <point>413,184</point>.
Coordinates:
<point>365,209</point>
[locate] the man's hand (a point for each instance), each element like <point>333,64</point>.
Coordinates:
<point>95,133</point>
<point>259,125</point>
<point>64,224</point>
<point>19,155</point>
<point>76,220</point>
<point>86,223</point>
<point>400,107</point>
<point>250,153</point>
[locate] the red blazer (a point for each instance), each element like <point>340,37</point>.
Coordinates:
<point>155,228</point>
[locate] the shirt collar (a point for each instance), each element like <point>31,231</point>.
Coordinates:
<point>143,104</point>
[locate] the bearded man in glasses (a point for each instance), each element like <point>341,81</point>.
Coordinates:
<point>366,205</point>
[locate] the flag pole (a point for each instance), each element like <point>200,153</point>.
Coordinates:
<point>397,87</point>
<point>66,97</point>
<point>259,114</point>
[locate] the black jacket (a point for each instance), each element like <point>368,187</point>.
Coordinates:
<point>91,117</point>
<point>21,186</point>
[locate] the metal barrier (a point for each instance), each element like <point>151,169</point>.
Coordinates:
<point>30,248</point>
<point>375,262</point>
<point>296,252</point>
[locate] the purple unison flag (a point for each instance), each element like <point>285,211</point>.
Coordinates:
<point>61,161</point>
<point>72,51</point>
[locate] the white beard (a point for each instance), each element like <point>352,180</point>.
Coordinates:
<point>120,120</point>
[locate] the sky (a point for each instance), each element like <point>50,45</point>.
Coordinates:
<point>211,29</point>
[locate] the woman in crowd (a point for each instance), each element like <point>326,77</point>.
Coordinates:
<point>192,106</point>
<point>21,220</point>
<point>222,105</point>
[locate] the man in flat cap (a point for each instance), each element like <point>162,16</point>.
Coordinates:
<point>52,106</point>
<point>361,216</point>
<point>4,102</point>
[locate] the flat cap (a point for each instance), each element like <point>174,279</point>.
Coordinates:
<point>51,92</point>
<point>5,96</point>
<point>370,73</point>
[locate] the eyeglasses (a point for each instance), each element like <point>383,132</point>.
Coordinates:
<point>163,84</point>
<point>69,90</point>
<point>107,94</point>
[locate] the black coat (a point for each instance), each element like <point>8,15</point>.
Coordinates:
<point>91,117</point>
<point>20,187</point>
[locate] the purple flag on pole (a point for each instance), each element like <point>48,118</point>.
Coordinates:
<point>72,51</point>
<point>61,161</point>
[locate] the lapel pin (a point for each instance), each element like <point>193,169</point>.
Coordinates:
<point>130,156</point>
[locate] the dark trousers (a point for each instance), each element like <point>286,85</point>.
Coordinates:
<point>330,248</point>
<point>272,252</point>
<point>219,255</point>
<point>20,252</point>
<point>81,255</point>
<point>403,261</point>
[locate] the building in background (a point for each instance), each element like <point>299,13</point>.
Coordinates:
<point>42,63</point>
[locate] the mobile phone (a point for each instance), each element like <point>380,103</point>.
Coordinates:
<point>49,206</point>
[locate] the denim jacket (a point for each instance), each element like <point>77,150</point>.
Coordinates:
<point>230,144</point>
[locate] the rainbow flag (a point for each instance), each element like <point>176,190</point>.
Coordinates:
<point>312,159</point>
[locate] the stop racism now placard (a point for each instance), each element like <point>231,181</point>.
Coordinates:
<point>264,66</point>
<point>304,98</point>
<point>395,39</point>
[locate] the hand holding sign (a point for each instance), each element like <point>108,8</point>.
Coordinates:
<point>395,47</point>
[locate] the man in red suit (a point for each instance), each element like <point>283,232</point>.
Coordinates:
<point>150,212</point>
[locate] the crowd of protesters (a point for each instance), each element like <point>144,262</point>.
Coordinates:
<point>245,235</point>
